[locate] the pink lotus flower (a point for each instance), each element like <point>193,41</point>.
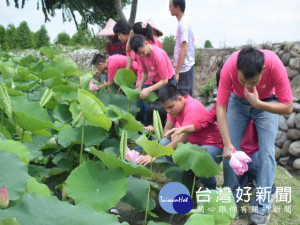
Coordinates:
<point>4,199</point>
<point>239,161</point>
<point>132,155</point>
<point>93,87</point>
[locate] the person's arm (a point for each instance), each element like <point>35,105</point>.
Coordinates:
<point>142,81</point>
<point>222,121</point>
<point>179,130</point>
<point>179,138</point>
<point>105,84</point>
<point>129,62</point>
<point>148,90</point>
<point>182,55</point>
<point>272,107</point>
<point>146,159</point>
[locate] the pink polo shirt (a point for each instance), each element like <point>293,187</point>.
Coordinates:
<point>193,111</point>
<point>116,62</point>
<point>158,64</point>
<point>274,80</point>
<point>249,143</point>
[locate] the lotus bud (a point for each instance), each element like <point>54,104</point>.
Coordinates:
<point>4,199</point>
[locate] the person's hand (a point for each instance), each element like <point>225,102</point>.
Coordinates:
<point>145,160</point>
<point>173,132</point>
<point>227,151</point>
<point>177,77</point>
<point>120,91</point>
<point>96,72</point>
<point>145,93</point>
<point>149,128</point>
<point>252,98</point>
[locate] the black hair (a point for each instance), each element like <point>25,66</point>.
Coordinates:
<point>98,58</point>
<point>181,4</point>
<point>136,42</point>
<point>161,111</point>
<point>168,92</point>
<point>122,26</point>
<point>143,29</point>
<point>250,61</point>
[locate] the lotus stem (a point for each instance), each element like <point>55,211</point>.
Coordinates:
<point>148,198</point>
<point>82,140</point>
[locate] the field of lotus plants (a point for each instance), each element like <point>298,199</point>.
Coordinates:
<point>53,128</point>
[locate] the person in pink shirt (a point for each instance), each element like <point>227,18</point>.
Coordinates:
<point>155,64</point>
<point>254,85</point>
<point>181,112</point>
<point>109,67</point>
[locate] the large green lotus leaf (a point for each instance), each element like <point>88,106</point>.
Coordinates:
<point>48,72</point>
<point>66,92</point>
<point>93,109</point>
<point>13,174</point>
<point>9,221</point>
<point>36,210</point>
<point>49,53</point>
<point>35,187</point>
<point>100,188</point>
<point>151,222</point>
<point>61,113</point>
<point>68,66</point>
<point>35,147</point>
<point>113,162</point>
<point>7,71</point>
<point>11,146</point>
<point>197,219</point>
<point>26,86</point>
<point>134,95</point>
<point>23,74</point>
<point>193,157</point>
<point>153,148</point>
<point>125,77</point>
<point>137,194</point>
<point>216,201</point>
<point>120,100</point>
<point>55,81</point>
<point>92,136</point>
<point>30,115</point>
<point>129,122</point>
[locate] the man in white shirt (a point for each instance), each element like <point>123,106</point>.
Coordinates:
<point>184,51</point>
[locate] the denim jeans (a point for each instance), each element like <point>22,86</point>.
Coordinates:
<point>239,114</point>
<point>142,114</point>
<point>214,151</point>
<point>186,82</point>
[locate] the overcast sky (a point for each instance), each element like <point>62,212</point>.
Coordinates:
<point>224,22</point>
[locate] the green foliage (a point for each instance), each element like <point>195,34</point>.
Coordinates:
<point>82,37</point>
<point>3,38</point>
<point>25,37</point>
<point>12,33</point>
<point>195,158</point>
<point>207,90</point>
<point>168,45</point>
<point>63,39</point>
<point>100,188</point>
<point>207,44</point>
<point>68,214</point>
<point>198,57</point>
<point>41,37</point>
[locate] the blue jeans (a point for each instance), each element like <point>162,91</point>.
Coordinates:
<point>239,114</point>
<point>142,114</point>
<point>186,82</point>
<point>214,151</point>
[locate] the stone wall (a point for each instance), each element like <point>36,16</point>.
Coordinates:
<point>287,152</point>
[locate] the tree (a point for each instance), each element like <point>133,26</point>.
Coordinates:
<point>63,39</point>
<point>41,37</point>
<point>25,37</point>
<point>11,32</point>
<point>3,38</point>
<point>91,11</point>
<point>82,37</point>
<point>208,44</point>
<point>168,45</point>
